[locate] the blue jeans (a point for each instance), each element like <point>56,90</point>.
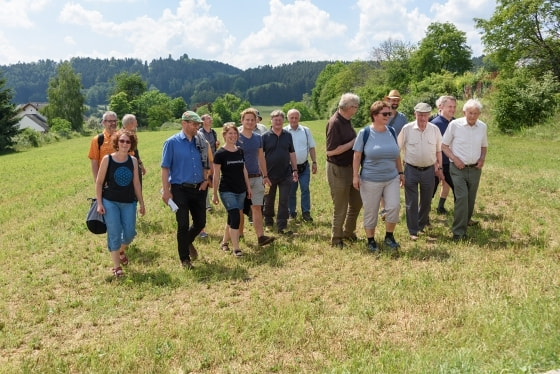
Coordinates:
<point>233,200</point>
<point>120,219</point>
<point>303,181</point>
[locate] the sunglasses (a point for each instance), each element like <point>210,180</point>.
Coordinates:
<point>124,141</point>
<point>386,114</point>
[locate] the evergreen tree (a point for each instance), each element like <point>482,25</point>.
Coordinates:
<point>8,121</point>
<point>65,97</point>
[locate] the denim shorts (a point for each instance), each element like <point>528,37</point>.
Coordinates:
<point>233,200</point>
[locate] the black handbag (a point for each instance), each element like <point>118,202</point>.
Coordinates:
<point>95,221</point>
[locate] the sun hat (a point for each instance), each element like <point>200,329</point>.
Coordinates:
<point>394,94</point>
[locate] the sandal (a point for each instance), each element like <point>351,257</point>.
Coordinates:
<point>118,272</point>
<point>124,259</point>
<point>224,247</point>
<point>237,252</point>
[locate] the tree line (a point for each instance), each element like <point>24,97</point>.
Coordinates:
<point>519,77</point>
<point>195,81</point>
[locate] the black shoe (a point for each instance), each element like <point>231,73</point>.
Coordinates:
<point>269,222</point>
<point>339,244</point>
<point>193,253</point>
<point>186,264</point>
<point>372,247</point>
<point>264,240</point>
<point>457,238</point>
<point>285,232</point>
<point>293,215</point>
<point>441,210</point>
<point>307,217</point>
<point>352,238</point>
<point>391,243</point>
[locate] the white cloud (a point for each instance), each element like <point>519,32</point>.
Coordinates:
<point>69,40</point>
<point>16,13</point>
<point>291,32</point>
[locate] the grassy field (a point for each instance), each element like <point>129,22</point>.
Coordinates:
<point>489,305</point>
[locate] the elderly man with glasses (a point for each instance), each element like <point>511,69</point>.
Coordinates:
<point>101,145</point>
<point>185,171</point>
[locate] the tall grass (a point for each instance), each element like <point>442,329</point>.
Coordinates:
<point>489,305</point>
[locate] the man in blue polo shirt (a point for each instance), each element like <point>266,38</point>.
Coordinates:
<point>185,170</point>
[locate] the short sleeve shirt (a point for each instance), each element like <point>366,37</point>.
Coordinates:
<point>250,147</point>
<point>232,178</point>
<point>381,152</point>
<point>183,160</point>
<point>340,131</point>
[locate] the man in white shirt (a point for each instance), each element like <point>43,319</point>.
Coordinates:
<point>420,142</point>
<point>304,145</point>
<point>465,142</point>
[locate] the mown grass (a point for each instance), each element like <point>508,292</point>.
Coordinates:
<point>489,305</point>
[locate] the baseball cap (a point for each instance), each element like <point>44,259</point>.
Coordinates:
<point>191,117</point>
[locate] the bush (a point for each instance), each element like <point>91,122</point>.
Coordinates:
<point>61,126</point>
<point>523,101</point>
<point>306,113</point>
<point>28,138</point>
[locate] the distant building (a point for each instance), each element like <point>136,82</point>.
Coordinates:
<point>29,117</point>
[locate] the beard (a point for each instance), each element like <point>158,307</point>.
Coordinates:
<point>394,106</point>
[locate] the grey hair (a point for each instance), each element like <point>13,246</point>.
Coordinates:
<point>109,113</point>
<point>472,104</point>
<point>127,119</point>
<point>445,99</point>
<point>348,99</point>
<point>276,113</point>
<point>293,110</point>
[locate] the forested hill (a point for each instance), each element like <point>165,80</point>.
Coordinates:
<point>197,81</point>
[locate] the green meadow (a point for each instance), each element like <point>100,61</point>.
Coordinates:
<point>487,305</point>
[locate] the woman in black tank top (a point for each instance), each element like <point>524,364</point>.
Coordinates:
<point>118,191</point>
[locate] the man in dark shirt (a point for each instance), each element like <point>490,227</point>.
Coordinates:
<point>280,156</point>
<point>346,199</point>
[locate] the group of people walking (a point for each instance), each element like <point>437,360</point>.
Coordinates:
<point>369,168</point>
<point>364,169</point>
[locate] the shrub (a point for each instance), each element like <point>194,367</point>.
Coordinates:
<point>61,126</point>
<point>306,113</point>
<point>523,101</point>
<point>28,138</point>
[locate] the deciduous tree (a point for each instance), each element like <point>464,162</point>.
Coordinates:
<point>443,48</point>
<point>65,97</point>
<point>524,33</point>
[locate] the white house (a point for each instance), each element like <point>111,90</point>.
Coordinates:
<point>29,117</point>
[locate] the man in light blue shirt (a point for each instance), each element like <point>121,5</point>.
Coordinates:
<point>304,145</point>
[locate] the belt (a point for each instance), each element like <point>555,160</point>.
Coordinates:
<point>191,185</point>
<point>421,168</point>
<point>254,175</point>
<point>470,165</point>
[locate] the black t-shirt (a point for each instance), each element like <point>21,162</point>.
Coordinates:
<point>277,151</point>
<point>232,178</point>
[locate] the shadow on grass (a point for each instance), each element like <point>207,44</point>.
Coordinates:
<point>435,254</point>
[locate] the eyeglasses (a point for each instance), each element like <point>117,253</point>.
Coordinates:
<point>124,141</point>
<point>386,114</point>
<point>111,120</point>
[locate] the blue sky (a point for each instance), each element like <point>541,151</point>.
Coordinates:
<point>243,33</point>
